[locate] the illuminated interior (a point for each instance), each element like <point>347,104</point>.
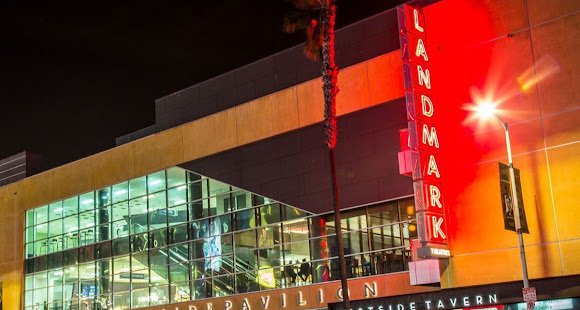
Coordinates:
<point>175,236</point>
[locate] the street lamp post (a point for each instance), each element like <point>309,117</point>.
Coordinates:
<point>515,201</point>
<point>486,110</point>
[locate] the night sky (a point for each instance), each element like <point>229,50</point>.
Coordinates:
<point>74,75</point>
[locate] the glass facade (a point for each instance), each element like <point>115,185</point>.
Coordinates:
<point>175,236</point>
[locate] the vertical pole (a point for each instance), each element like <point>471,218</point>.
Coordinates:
<point>516,206</point>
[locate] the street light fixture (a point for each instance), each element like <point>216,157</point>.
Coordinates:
<point>485,110</point>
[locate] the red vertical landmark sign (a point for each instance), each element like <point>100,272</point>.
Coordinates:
<point>423,141</point>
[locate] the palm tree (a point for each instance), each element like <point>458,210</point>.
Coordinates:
<point>318,17</point>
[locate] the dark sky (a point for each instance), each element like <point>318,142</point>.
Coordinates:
<point>74,75</point>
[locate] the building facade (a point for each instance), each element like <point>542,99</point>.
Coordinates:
<point>227,205</point>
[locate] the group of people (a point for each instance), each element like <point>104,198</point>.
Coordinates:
<point>304,271</point>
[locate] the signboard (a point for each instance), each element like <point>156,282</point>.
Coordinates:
<point>529,294</point>
<point>423,152</point>
<point>507,201</point>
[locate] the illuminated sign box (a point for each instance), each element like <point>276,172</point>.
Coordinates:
<point>423,141</point>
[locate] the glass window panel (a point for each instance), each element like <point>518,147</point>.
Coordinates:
<point>29,217</point>
<point>55,277</point>
<point>121,264</point>
<point>86,254</point>
<point>217,187</point>
<point>41,231</point>
<point>137,187</point>
<point>227,244</point>
<point>86,202</point>
<point>70,206</point>
<point>241,200</point>
<point>159,276</point>
<point>159,295</point>
<point>156,182</point>
<point>55,243</point>
<point>157,238</point>
<point>196,248</point>
<point>55,228</point>
<point>177,215</point>
<point>102,232</point>
<point>158,261</point>
<point>40,280</point>
<point>70,257</point>
<point>40,263</point>
<point>139,242</point>
<point>103,197</point>
<point>179,272</point>
<point>270,214</point>
<point>120,211</point>
<point>267,236</point>
<point>120,192</point>
<point>103,249</point>
<point>29,234</point>
<point>87,236</point>
<point>292,213</point>
<point>139,261</point>
<point>407,209</point>
<point>54,260</point>
<point>140,298</point>
<point>177,196</point>
<point>122,300</point>
<point>121,246</point>
<point>245,239</point>
<point>86,219</point>
<point>225,223</point>
<point>178,233</point>
<point>71,274</point>
<point>71,224</point>
<point>41,247</point>
<point>138,211</point>
<point>221,204</point>
<point>87,271</point>
<point>119,229</point>
<point>297,251</point>
<point>29,266</point>
<point>180,292</point>
<point>175,177</point>
<point>156,201</point>
<point>197,189</point>
<point>199,209</point>
<point>28,299</point>
<point>41,297</point>
<point>296,231</point>
<point>29,250</point>
<point>55,210</point>
<point>245,219</point>
<point>41,214</point>
<point>246,282</point>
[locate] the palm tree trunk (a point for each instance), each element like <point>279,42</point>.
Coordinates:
<point>330,89</point>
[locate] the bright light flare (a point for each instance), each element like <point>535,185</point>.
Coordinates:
<point>483,107</point>
<point>485,110</point>
<point>542,69</point>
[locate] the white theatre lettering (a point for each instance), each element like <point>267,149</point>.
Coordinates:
<point>465,301</point>
<point>435,196</point>
<point>427,105</point>
<point>370,289</point>
<point>433,167</point>
<point>437,231</point>
<point>430,136</point>
<point>416,18</point>
<point>420,50</point>
<point>424,77</point>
